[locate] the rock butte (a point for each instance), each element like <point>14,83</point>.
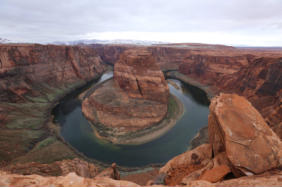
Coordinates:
<point>33,77</point>
<point>136,99</point>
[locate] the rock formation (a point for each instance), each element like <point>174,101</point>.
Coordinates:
<point>136,99</point>
<point>237,128</point>
<point>138,74</point>
<point>241,144</point>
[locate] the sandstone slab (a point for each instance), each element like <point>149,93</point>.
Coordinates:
<point>237,128</point>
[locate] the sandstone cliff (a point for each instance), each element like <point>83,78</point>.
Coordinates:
<point>32,78</point>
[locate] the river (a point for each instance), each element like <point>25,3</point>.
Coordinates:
<point>76,130</point>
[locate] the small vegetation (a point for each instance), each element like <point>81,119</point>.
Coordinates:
<point>44,143</point>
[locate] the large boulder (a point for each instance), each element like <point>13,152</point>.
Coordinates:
<point>237,128</point>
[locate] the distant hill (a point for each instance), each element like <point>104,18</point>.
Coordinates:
<point>94,41</point>
<point>2,40</point>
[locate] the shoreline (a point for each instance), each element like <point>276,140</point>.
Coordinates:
<point>173,74</point>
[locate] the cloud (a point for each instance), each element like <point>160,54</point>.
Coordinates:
<point>252,22</point>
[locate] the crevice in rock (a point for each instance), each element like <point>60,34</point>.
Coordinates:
<point>139,88</point>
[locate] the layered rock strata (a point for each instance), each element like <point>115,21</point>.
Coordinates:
<point>138,74</point>
<point>136,99</point>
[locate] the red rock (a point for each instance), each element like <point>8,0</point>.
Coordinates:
<point>24,67</point>
<point>237,128</point>
<point>70,180</point>
<point>268,179</point>
<point>182,165</point>
<point>215,174</point>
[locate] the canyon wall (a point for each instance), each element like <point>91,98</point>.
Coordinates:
<point>32,78</point>
<point>24,67</point>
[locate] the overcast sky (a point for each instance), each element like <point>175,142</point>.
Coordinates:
<point>235,22</point>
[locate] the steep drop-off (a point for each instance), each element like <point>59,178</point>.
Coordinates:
<point>32,78</point>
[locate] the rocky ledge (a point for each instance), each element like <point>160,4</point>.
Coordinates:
<point>240,144</point>
<point>136,99</point>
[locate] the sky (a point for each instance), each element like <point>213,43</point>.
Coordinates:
<point>231,22</point>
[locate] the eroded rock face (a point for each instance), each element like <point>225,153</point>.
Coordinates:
<point>138,74</point>
<point>24,67</point>
<point>32,78</point>
<point>237,128</point>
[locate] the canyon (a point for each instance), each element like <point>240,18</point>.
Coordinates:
<point>33,78</point>
<point>254,74</point>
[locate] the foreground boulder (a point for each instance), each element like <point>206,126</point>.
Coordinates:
<point>241,144</point>
<point>238,129</point>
